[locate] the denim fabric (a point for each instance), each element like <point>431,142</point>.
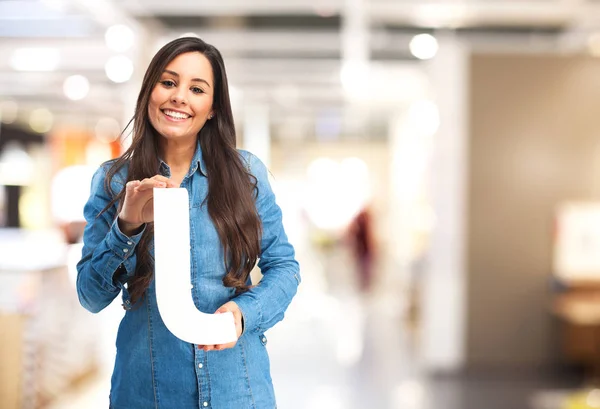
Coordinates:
<point>153,368</point>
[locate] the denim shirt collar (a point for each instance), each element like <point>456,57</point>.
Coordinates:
<point>197,161</point>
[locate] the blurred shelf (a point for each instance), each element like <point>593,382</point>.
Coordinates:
<point>46,342</point>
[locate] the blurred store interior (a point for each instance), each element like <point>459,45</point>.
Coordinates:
<point>457,139</point>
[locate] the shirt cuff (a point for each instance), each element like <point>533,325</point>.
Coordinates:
<point>121,245</point>
<point>251,312</point>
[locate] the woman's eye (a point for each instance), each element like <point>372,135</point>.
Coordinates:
<point>168,83</point>
<point>197,90</point>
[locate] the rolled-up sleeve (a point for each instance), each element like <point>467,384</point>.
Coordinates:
<point>265,304</point>
<point>108,257</point>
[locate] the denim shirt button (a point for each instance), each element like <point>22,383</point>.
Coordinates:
<point>125,250</point>
<point>205,404</point>
<point>130,243</point>
<point>200,366</point>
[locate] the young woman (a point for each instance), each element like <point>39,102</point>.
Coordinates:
<point>184,136</point>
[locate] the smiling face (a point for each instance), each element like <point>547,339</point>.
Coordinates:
<point>181,102</point>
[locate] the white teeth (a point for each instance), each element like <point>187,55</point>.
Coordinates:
<point>176,115</point>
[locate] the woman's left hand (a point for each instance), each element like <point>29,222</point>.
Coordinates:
<point>237,316</point>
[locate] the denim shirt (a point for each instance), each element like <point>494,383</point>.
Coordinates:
<point>153,368</point>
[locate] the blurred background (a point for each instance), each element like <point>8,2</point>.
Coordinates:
<point>437,163</point>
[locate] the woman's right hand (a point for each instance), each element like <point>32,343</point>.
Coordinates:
<point>138,206</point>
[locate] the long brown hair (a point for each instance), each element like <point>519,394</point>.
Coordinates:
<point>231,189</point>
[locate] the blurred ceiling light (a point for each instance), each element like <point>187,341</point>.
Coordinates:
<point>107,130</point>
<point>35,59</point>
<point>76,87</point>
<point>425,116</point>
<point>8,111</point>
<point>423,46</point>
<point>41,120</point>
<point>119,68</point>
<point>16,166</point>
<point>119,38</point>
<point>594,44</point>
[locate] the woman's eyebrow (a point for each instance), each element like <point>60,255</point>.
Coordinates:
<point>173,73</point>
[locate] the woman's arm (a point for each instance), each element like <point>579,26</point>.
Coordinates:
<point>265,304</point>
<point>108,256</point>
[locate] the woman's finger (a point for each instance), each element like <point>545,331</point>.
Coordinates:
<point>132,184</point>
<point>224,346</point>
<point>160,178</point>
<point>166,180</point>
<point>148,184</point>
<point>218,347</point>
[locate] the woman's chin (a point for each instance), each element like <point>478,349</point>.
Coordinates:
<point>171,135</point>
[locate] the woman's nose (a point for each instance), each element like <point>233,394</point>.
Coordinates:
<point>178,96</point>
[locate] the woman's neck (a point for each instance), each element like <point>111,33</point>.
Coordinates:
<point>178,155</point>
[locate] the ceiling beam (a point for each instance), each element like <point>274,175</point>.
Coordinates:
<point>408,12</point>
<point>230,7</point>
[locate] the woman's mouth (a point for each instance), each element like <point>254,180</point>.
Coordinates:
<point>175,115</point>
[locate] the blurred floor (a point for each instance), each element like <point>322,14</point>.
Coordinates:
<point>338,349</point>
